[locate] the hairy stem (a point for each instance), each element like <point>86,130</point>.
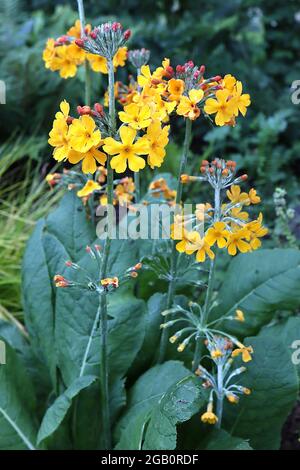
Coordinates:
<point>103,272</point>
<point>87,81</point>
<point>173,270</point>
<point>220,396</point>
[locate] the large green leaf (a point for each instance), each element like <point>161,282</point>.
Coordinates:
<point>144,396</point>
<point>288,331</point>
<point>260,283</point>
<point>218,439</point>
<point>17,406</point>
<point>177,405</point>
<point>58,410</point>
<point>274,383</point>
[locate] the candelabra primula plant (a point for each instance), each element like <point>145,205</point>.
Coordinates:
<point>94,305</point>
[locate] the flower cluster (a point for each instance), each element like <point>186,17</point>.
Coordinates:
<point>88,281</point>
<point>65,54</point>
<point>226,225</point>
<point>221,380</point>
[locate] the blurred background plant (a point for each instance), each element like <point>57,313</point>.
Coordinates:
<point>256,40</point>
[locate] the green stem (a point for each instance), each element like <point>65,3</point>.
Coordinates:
<point>174,254</point>
<point>103,273</point>
<point>220,396</point>
<point>87,82</point>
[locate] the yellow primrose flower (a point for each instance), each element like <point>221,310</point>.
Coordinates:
<point>49,53</point>
<point>84,134</point>
<point>179,232</point>
<point>239,315</point>
<point>256,231</point>
<point>98,63</point>
<point>136,116</point>
<point>232,398</point>
<point>158,140</point>
<point>161,108</point>
<point>222,106</point>
<point>145,78</point>
<point>229,82</point>
<point>124,191</point>
<point>75,30</point>
<point>244,351</point>
<point>160,72</point>
<point>217,233</point>
<point>253,197</point>
<point>58,138</point>
<point>200,245</point>
<point>188,105</point>
<point>235,195</point>
<point>216,353</point>
<point>64,62</point>
<point>89,159</point>
<point>237,213</point>
<point>240,101</point>
<point>127,150</point>
<point>235,242</point>
<point>120,57</point>
<point>64,111</point>
<point>89,187</point>
<point>209,417</point>
<point>175,88</point>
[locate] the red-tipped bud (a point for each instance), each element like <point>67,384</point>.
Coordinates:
<point>244,177</point>
<point>98,108</point>
<point>97,247</point>
<point>180,69</point>
<point>93,34</point>
<point>218,87</point>
<point>127,34</point>
<point>217,78</point>
<point>203,169</point>
<point>205,163</point>
<point>116,26</point>
<point>211,170</point>
<point>196,74</point>
<point>62,39</point>
<point>190,64</point>
<point>68,263</point>
<point>79,42</point>
<point>83,110</point>
<point>134,274</point>
<point>202,69</point>
<point>225,172</point>
<point>138,266</point>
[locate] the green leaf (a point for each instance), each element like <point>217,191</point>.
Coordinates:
<point>177,405</point>
<point>273,380</point>
<point>218,439</point>
<point>58,410</point>
<point>260,283</point>
<point>145,394</point>
<point>17,406</point>
<point>288,332</point>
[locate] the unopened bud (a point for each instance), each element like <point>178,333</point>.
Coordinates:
<point>202,69</point>
<point>127,34</point>
<point>79,42</point>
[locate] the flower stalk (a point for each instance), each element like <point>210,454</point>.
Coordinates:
<point>174,254</point>
<point>87,81</point>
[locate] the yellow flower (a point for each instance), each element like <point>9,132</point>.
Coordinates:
<point>110,281</point>
<point>89,159</point>
<point>239,315</point>
<point>58,138</point>
<point>240,101</point>
<point>75,30</point>
<point>236,196</point>
<point>256,231</point>
<point>175,88</point>
<point>124,191</point>
<point>158,140</point>
<point>127,150</point>
<point>64,110</point>
<point>222,106</point>
<point>209,417</point>
<point>217,233</point>
<point>136,116</point>
<point>64,62</point>
<point>120,57</point>
<point>145,77</point>
<point>229,82</point>
<point>244,351</point>
<point>49,53</point>
<point>188,105</point>
<point>253,197</point>
<point>97,63</point>
<point>237,213</point>
<point>83,134</point>
<point>200,245</point>
<point>232,398</point>
<point>89,187</point>
<point>235,242</point>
